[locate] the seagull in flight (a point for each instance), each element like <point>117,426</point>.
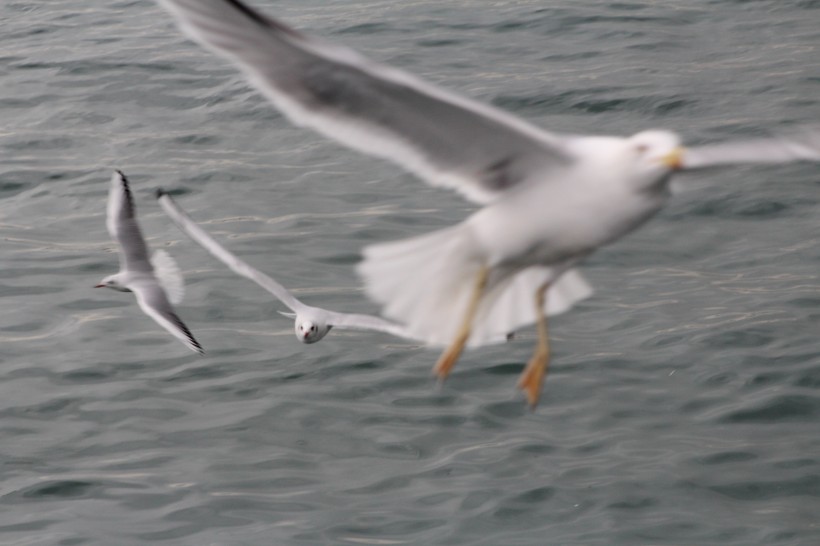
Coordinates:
<point>155,282</point>
<point>549,200</point>
<point>310,323</point>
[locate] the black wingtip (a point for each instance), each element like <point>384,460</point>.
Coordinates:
<point>160,192</point>
<point>262,19</point>
<point>192,342</point>
<point>125,183</point>
<point>129,199</point>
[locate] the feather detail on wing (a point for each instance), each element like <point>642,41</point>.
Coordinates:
<point>169,276</point>
<point>445,139</point>
<point>122,225</point>
<point>152,300</point>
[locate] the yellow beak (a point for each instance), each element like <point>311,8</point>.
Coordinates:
<point>674,159</point>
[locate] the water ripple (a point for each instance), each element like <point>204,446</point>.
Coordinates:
<point>682,401</point>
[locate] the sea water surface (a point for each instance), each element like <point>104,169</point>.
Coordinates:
<point>683,400</point>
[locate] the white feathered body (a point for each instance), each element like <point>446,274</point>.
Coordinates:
<point>534,233</point>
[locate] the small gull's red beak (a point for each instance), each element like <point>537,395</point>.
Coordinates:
<point>99,286</point>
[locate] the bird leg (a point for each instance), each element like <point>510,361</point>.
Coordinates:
<point>532,378</point>
<point>449,357</point>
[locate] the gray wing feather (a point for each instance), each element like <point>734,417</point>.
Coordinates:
<point>443,138</point>
<point>343,321</point>
<point>154,303</point>
<point>192,230</point>
<point>351,321</point>
<point>801,146</point>
<point>123,227</point>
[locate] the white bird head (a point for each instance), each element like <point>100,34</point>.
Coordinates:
<point>115,282</point>
<point>310,331</point>
<point>657,148</point>
<point>654,155</point>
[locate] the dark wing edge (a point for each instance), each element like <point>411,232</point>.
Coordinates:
<point>445,139</point>
<point>123,227</point>
<point>154,303</point>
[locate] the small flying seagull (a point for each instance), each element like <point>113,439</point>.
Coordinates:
<point>310,323</point>
<point>156,282</point>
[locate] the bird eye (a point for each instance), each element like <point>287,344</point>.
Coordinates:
<point>641,148</point>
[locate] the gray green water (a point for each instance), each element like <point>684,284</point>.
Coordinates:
<point>683,402</point>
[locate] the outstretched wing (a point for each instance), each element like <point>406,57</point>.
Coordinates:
<point>123,228</point>
<point>152,300</point>
<point>445,139</point>
<point>799,146</point>
<point>352,321</point>
<point>189,227</point>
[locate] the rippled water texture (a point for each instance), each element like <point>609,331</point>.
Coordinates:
<point>683,401</point>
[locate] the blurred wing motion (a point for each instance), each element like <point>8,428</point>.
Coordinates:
<point>122,226</point>
<point>190,228</point>
<point>343,321</point>
<point>801,146</point>
<point>152,300</point>
<point>445,139</point>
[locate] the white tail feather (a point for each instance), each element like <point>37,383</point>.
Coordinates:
<point>169,276</point>
<point>425,282</point>
<point>511,304</point>
<point>568,290</point>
